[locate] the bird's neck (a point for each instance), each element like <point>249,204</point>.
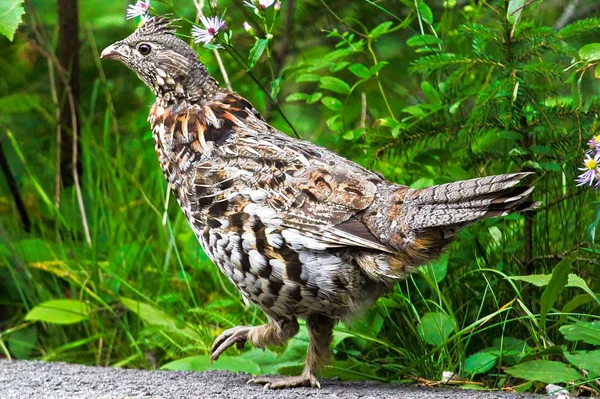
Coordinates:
<point>197,87</point>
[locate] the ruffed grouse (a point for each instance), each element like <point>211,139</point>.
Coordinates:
<point>299,230</point>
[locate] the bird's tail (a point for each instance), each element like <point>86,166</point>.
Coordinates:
<point>455,205</point>
<point>419,224</point>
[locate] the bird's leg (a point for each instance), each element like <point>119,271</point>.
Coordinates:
<point>273,333</point>
<point>320,331</point>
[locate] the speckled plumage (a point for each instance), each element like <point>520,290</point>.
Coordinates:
<point>299,230</point>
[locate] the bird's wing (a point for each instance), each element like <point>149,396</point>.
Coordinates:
<point>325,202</point>
<point>311,193</point>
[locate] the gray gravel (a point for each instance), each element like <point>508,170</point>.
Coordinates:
<point>21,379</point>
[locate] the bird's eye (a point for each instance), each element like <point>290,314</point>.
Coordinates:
<point>144,49</point>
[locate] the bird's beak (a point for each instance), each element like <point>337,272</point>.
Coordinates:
<point>112,52</point>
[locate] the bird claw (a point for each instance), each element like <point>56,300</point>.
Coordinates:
<point>303,380</point>
<point>236,335</point>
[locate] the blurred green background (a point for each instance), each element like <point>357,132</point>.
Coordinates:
<point>423,92</point>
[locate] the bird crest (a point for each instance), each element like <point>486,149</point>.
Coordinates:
<point>158,25</point>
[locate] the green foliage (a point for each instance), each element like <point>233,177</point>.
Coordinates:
<point>555,287</point>
<point>545,371</point>
<point>587,360</point>
<point>435,328</point>
<point>582,331</point>
<point>423,92</point>
<point>60,311</point>
<point>11,12</point>
<point>203,362</point>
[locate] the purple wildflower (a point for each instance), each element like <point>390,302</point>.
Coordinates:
<point>140,9</point>
<point>211,25</point>
<point>262,4</point>
<point>594,143</point>
<point>591,170</point>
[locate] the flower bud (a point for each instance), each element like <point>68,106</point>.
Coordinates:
<point>248,28</point>
<point>277,5</point>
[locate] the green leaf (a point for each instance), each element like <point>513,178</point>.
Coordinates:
<point>334,123</point>
<point>157,317</point>
<point>430,92</point>
<point>275,87</point>
<point>542,280</point>
<point>545,371</point>
<point>332,103</point>
<point>587,360</point>
<point>313,98</point>
<point>11,12</point>
<point>414,110</point>
<point>297,97</point>
<point>515,8</point>
<point>425,13</point>
<point>235,364</point>
<point>588,332</point>
<point>60,311</point>
<point>590,52</point>
<point>539,280</point>
<point>22,342</point>
<point>359,70</point>
<point>479,362</point>
<point>378,67</point>
<point>423,40</point>
<point>578,282</point>
<point>556,285</point>
<point>338,66</point>
<point>380,29</point>
<point>256,51</point>
<point>435,327</point>
<point>349,135</point>
<point>335,84</point>
<point>438,269</point>
<point>308,77</point>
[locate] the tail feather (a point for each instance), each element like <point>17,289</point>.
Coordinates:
<point>461,203</point>
<point>419,224</point>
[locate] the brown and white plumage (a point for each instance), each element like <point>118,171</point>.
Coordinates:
<point>301,231</point>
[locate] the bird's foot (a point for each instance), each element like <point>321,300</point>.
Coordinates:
<point>236,335</point>
<point>275,382</point>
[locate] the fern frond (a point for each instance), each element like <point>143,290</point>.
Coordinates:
<point>434,62</point>
<point>579,27</point>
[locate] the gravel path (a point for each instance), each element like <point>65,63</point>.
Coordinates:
<point>20,379</point>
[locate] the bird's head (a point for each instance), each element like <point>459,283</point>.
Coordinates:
<point>167,64</point>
